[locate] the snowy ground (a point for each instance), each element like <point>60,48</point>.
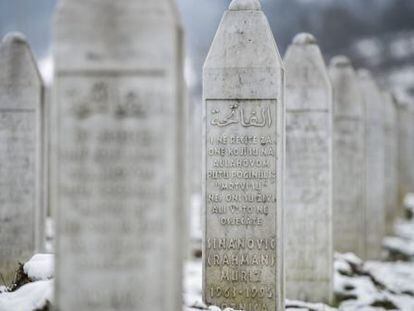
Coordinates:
<point>365,286</point>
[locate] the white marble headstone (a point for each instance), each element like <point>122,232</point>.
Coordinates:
<point>374,155</point>
<point>308,208</point>
<point>390,160</point>
<point>405,121</point>
<point>348,159</point>
<point>243,164</point>
<point>21,213</point>
<point>118,155</point>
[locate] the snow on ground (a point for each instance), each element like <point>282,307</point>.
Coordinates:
<point>409,205</point>
<point>33,295</point>
<point>40,267</point>
<point>29,297</point>
<point>401,245</point>
<point>358,285</point>
<point>383,285</point>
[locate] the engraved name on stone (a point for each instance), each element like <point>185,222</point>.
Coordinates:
<point>243,164</point>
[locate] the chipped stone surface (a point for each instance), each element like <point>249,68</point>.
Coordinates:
<point>348,159</point>
<point>117,160</point>
<point>243,165</point>
<point>308,209</point>
<point>374,155</point>
<point>21,215</point>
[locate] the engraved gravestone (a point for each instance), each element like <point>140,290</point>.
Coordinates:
<point>390,160</point>
<point>21,216</point>
<point>348,159</point>
<point>308,209</point>
<point>118,170</point>
<point>243,164</point>
<point>374,155</point>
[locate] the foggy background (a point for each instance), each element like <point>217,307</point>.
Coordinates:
<point>376,34</point>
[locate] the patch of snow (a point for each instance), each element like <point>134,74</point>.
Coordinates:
<point>29,297</point>
<point>397,277</point>
<point>373,285</point>
<point>40,267</point>
<point>398,245</point>
<point>409,201</point>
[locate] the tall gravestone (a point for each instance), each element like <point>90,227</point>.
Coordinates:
<point>21,216</point>
<point>404,150</point>
<point>410,139</point>
<point>348,159</point>
<point>118,155</point>
<point>390,161</point>
<point>243,164</point>
<point>374,155</point>
<point>308,209</point>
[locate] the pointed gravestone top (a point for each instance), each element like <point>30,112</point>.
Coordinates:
<point>245,5</point>
<point>304,62</point>
<point>13,38</point>
<point>340,61</point>
<point>308,172</point>
<point>304,39</point>
<point>18,68</point>
<point>20,109</point>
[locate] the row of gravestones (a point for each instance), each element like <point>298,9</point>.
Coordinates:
<point>300,164</point>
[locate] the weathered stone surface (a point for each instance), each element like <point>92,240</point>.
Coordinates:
<point>374,155</point>
<point>21,214</point>
<point>243,164</point>
<point>405,117</point>
<point>390,161</point>
<point>348,159</point>
<point>308,209</point>
<point>117,165</point>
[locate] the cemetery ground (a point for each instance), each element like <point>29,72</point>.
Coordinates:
<point>358,285</point>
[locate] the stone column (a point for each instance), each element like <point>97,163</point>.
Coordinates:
<point>21,213</point>
<point>119,152</point>
<point>404,152</point>
<point>348,159</point>
<point>390,161</point>
<point>243,163</point>
<point>308,209</point>
<point>374,155</point>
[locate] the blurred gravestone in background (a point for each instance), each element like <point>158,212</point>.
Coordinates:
<point>21,212</point>
<point>118,152</point>
<point>390,161</point>
<point>374,155</point>
<point>348,159</point>
<point>308,194</point>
